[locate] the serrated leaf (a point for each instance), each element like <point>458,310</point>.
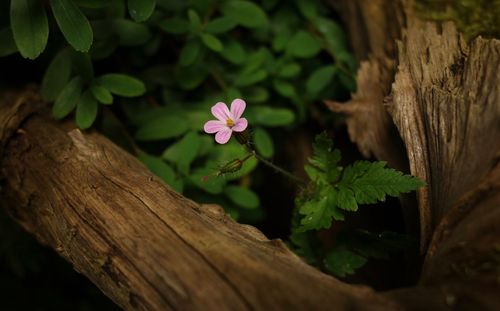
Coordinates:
<point>303,45</point>
<point>30,27</point>
<point>7,43</point>
<point>245,13</point>
<point>162,170</point>
<point>73,24</point>
<point>163,127</point>
<point>122,85</point>
<point>86,110</point>
<point>372,181</point>
<point>174,25</point>
<point>263,142</point>
<point>141,10</point>
<point>183,152</point>
<point>102,94</point>
<point>319,212</point>
<point>131,33</point>
<point>212,42</point>
<point>325,158</point>
<point>67,100</point>
<point>189,53</point>
<point>243,197</point>
<point>220,25</point>
<point>56,76</point>
<point>342,262</point>
<point>319,79</point>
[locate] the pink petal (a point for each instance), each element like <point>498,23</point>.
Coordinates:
<point>240,125</point>
<point>223,136</point>
<point>237,107</point>
<point>214,126</point>
<point>221,112</point>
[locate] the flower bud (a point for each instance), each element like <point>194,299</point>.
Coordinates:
<point>230,167</point>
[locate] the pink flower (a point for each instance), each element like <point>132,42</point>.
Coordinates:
<point>228,120</point>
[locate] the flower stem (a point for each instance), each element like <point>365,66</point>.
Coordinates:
<point>278,169</point>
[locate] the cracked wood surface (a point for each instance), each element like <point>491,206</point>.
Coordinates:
<point>442,93</point>
<point>142,244</point>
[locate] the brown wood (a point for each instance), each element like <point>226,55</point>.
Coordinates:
<point>142,244</point>
<point>148,248</point>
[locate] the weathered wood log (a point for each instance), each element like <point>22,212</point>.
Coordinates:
<point>444,98</point>
<point>141,243</point>
<point>149,248</point>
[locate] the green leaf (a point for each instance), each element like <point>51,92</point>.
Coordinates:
<point>189,53</point>
<point>86,110</point>
<point>372,181</point>
<point>131,33</point>
<point>162,170</point>
<point>303,45</point>
<point>319,79</point>
<point>82,65</point>
<point>92,4</point>
<point>319,212</point>
<point>73,24</point>
<point>194,20</point>
<point>307,8</point>
<point>325,158</point>
<point>243,197</point>
<point>56,76</point>
<point>341,262</point>
<point>30,27</point>
<point>7,43</point>
<point>183,152</point>
<point>67,100</point>
<point>250,78</point>
<point>122,85</point>
<point>233,51</point>
<point>284,88</point>
<point>141,10</point>
<point>268,116</point>
<point>245,13</point>
<point>212,42</point>
<point>102,94</point>
<point>174,25</point>
<point>263,142</point>
<point>163,127</point>
<point>289,70</point>
<point>205,179</point>
<point>220,25</point>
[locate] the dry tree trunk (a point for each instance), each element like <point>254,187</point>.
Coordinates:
<point>149,248</point>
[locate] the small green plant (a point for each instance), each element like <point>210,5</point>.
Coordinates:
<point>333,191</point>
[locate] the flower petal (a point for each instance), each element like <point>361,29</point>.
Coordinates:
<point>237,107</point>
<point>221,112</point>
<point>241,125</point>
<point>214,126</point>
<point>223,136</point>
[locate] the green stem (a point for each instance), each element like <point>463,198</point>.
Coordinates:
<point>278,169</point>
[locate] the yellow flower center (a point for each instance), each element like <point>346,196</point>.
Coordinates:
<point>230,123</point>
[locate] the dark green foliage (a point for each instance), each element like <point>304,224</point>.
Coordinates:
<point>335,190</point>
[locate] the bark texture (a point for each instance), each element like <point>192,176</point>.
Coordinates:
<point>149,248</point>
<point>142,244</point>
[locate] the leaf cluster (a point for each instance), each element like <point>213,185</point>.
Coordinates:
<point>148,71</point>
<point>336,190</point>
